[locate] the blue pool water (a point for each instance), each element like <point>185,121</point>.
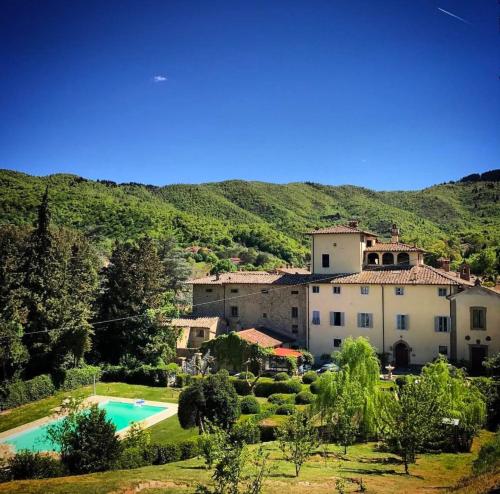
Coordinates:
<point>121,414</point>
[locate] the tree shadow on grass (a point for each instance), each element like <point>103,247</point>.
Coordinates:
<point>197,467</point>
<point>381,461</point>
<point>380,472</point>
<point>284,475</point>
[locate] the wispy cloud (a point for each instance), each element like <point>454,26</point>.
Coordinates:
<point>453,15</point>
<point>160,78</point>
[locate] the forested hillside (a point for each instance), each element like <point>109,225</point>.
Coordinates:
<point>260,222</point>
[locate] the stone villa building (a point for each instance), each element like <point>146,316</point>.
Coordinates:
<point>360,286</point>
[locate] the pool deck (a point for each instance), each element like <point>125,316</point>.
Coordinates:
<point>96,399</point>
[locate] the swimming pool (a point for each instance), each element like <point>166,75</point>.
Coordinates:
<point>122,414</point>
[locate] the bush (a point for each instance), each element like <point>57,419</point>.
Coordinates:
<point>241,387</point>
<point>164,453</point>
<point>314,387</point>
<point>280,398</point>
<point>188,449</point>
<point>30,465</point>
<point>247,432</point>
<point>309,377</point>
<point>286,409</point>
<point>132,458</point>
<point>401,381</point>
<point>148,375</point>
<point>18,393</point>
<point>249,404</point>
<point>268,432</point>
<point>281,376</point>
<point>82,376</point>
<point>246,375</point>
<point>264,389</point>
<point>114,373</point>
<point>304,398</point>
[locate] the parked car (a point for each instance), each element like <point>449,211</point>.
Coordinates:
<point>328,367</point>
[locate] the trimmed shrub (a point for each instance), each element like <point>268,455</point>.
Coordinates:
<point>30,465</point>
<point>268,432</point>
<point>280,398</point>
<point>241,387</point>
<point>18,393</point>
<point>132,458</point>
<point>401,381</point>
<point>286,409</point>
<point>281,376</point>
<point>82,376</point>
<point>249,404</point>
<point>246,375</point>
<point>304,398</point>
<point>264,389</point>
<point>247,432</point>
<point>114,373</point>
<point>309,377</point>
<point>188,449</point>
<point>164,453</point>
<point>314,387</point>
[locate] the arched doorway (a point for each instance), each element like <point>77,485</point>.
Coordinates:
<point>387,258</point>
<point>403,258</point>
<point>401,354</point>
<point>372,258</point>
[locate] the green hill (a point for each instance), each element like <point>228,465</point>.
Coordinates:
<point>457,218</point>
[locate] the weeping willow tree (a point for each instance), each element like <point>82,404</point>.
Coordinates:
<point>359,358</point>
<point>459,399</point>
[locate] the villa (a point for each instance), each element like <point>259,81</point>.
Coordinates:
<point>360,286</point>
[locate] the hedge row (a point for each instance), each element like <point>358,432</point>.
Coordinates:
<point>19,392</point>
<point>146,375</point>
<point>264,389</point>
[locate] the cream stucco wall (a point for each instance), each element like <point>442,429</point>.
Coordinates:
<point>477,298</point>
<point>420,302</point>
<point>345,250</point>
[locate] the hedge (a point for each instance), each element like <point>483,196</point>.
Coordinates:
<point>314,387</point>
<point>286,409</point>
<point>280,398</point>
<point>281,376</point>
<point>147,375</point>
<point>81,376</point>
<point>249,405</point>
<point>18,393</point>
<point>264,389</point>
<point>31,465</point>
<point>309,377</point>
<point>164,453</point>
<point>241,387</point>
<point>304,398</point>
<point>188,449</point>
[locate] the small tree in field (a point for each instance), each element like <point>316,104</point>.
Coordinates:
<point>409,419</point>
<point>297,439</point>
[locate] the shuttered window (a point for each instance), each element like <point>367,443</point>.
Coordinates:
<point>336,319</point>
<point>402,321</point>
<point>365,320</point>
<point>442,324</point>
<point>315,318</point>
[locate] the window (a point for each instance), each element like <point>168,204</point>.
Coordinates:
<point>336,318</point>
<point>295,292</point>
<point>442,292</point>
<point>441,324</point>
<point>364,290</point>
<point>478,318</point>
<point>295,328</point>
<point>315,319</point>
<point>337,342</point>
<point>325,260</point>
<point>402,321</point>
<point>399,290</point>
<point>234,290</point>
<point>443,350</point>
<point>234,311</point>
<point>264,291</point>
<point>200,333</point>
<point>264,315</point>
<point>295,312</point>
<point>365,320</point>
<point>315,289</point>
<point>336,290</point>
<point>209,290</point>
<point>369,243</point>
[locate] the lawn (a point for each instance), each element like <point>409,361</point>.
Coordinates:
<point>38,409</point>
<point>381,473</point>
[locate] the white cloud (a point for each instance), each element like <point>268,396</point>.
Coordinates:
<point>160,78</point>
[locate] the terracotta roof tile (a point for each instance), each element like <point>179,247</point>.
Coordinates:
<point>340,229</point>
<point>393,247</point>
<point>286,352</point>
<point>264,337</point>
<point>194,322</point>
<point>252,277</point>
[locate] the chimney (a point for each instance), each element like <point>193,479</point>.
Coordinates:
<point>444,264</point>
<point>353,223</point>
<point>465,271</point>
<point>394,234</point>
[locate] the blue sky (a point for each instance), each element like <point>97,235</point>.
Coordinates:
<point>388,94</point>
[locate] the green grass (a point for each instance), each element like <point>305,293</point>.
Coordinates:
<point>39,409</point>
<point>381,473</point>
